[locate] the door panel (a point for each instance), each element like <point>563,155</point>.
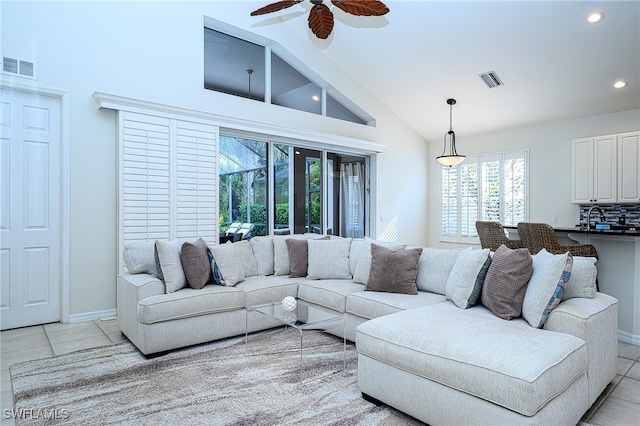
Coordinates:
<point>30,227</point>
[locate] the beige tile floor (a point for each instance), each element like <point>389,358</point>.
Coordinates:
<point>619,404</point>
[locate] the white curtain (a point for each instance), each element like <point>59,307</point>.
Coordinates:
<point>352,200</point>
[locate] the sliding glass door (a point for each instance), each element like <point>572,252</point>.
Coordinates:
<point>303,190</point>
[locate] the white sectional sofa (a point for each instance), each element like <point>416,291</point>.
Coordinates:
<point>437,355</point>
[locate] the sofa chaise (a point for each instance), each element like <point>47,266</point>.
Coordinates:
<point>428,342</point>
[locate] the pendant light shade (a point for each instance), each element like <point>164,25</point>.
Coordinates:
<point>452,158</point>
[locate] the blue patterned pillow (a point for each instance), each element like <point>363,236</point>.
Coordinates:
<point>546,286</point>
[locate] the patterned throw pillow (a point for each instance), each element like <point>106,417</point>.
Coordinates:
<point>546,286</point>
<point>393,271</point>
<point>506,282</point>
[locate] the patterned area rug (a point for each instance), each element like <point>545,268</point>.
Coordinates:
<point>220,383</point>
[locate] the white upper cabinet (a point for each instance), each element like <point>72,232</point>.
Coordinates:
<point>595,174</point>
<point>628,167</point>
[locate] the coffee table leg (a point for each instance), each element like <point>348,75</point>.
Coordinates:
<point>300,355</point>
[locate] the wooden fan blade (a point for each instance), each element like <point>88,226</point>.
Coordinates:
<point>321,21</point>
<point>274,7</point>
<point>362,7</point>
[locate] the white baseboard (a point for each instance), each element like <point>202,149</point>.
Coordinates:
<point>92,316</point>
<point>626,337</point>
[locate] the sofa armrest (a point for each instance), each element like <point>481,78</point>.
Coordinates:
<point>131,288</point>
<point>596,322</point>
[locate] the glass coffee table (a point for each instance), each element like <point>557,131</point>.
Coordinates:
<point>304,317</point>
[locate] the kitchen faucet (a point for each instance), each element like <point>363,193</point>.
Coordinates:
<point>602,218</point>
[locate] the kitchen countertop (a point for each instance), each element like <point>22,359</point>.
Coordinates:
<point>634,232</point>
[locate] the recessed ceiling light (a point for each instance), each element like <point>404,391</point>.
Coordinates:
<point>620,84</point>
<point>595,17</point>
<point>315,98</point>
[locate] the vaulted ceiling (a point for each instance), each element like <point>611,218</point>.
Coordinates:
<point>554,64</point>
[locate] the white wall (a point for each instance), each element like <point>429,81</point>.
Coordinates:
<point>154,51</point>
<point>549,148</point>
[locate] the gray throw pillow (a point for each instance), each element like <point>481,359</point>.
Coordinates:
<point>196,263</point>
<point>506,282</point>
<point>393,271</point>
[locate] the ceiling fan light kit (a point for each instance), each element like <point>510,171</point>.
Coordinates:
<point>452,158</point>
<point>321,18</point>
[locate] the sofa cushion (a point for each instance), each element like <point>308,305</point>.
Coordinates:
<point>582,282</point>
<point>363,267</point>
<point>196,263</point>
<point>189,303</point>
<point>226,266</point>
<point>328,293</point>
<point>139,258</point>
<point>465,281</point>
<point>434,269</point>
<point>393,271</point>
<point>546,286</point>
<point>508,363</point>
<point>506,282</point>
<point>369,304</point>
<point>259,290</point>
<point>329,259</point>
<point>263,251</point>
<point>169,264</point>
<point>354,254</point>
<point>247,258</point>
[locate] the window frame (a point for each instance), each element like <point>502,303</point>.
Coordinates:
<point>479,160</point>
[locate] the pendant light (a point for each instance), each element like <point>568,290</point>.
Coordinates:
<point>453,158</point>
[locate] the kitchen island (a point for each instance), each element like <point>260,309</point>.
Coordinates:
<point>618,270</point>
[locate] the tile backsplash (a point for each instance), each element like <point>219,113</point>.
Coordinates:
<point>612,213</point>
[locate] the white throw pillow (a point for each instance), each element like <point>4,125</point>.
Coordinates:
<point>226,265</point>
<point>169,264</point>
<point>434,268</point>
<point>464,284</point>
<point>263,252</point>
<point>139,257</point>
<point>247,259</point>
<point>582,282</point>
<point>281,262</point>
<point>361,274</point>
<point>550,275</point>
<point>329,259</point>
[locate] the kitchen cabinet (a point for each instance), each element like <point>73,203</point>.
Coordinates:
<point>595,173</point>
<point>629,167</point>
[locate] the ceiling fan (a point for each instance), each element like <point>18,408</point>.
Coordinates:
<point>321,17</point>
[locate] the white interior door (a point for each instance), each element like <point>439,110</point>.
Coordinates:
<point>30,218</point>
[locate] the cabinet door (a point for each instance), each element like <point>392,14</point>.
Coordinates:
<point>582,163</point>
<point>628,164</point>
<point>605,179</point>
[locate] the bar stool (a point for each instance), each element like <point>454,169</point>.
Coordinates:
<point>536,236</point>
<point>492,236</point>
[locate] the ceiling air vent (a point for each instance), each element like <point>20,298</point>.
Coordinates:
<point>491,79</point>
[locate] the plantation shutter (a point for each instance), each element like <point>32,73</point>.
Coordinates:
<point>449,201</point>
<point>197,185</point>
<point>469,198</point>
<point>168,179</point>
<point>145,192</point>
